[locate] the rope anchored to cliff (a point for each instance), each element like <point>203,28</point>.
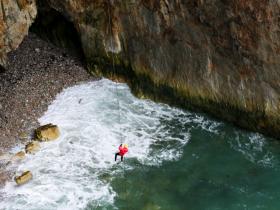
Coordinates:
<point>123,148</point>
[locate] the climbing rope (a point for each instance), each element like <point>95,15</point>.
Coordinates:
<point>116,87</point>
<point>114,68</point>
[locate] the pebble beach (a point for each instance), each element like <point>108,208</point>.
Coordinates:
<point>36,72</point>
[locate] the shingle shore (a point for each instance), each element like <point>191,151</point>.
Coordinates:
<point>37,71</point>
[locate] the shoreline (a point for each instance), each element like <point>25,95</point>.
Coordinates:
<point>36,72</point>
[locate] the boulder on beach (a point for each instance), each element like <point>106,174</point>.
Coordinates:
<point>32,147</point>
<point>47,132</point>
<point>23,178</point>
<point>18,156</point>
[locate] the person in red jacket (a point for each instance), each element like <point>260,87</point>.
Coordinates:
<point>123,148</point>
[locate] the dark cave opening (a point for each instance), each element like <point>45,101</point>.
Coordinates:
<point>2,69</point>
<point>52,26</point>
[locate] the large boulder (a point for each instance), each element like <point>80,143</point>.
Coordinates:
<point>32,147</point>
<point>16,16</point>
<point>47,132</point>
<point>23,178</point>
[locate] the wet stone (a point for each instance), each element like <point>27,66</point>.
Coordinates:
<point>47,132</point>
<point>32,147</point>
<point>23,178</point>
<point>18,156</point>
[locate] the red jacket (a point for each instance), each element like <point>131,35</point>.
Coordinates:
<point>123,150</point>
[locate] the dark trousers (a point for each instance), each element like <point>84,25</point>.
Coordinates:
<point>119,155</point>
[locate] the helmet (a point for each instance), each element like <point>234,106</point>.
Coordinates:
<point>125,145</point>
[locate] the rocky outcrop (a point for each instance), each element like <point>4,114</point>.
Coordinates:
<point>16,16</point>
<point>47,132</point>
<point>219,56</point>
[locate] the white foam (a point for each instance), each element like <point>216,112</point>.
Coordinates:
<point>94,118</point>
<point>253,147</point>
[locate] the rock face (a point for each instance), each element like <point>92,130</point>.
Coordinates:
<point>47,132</point>
<point>16,17</point>
<point>220,56</point>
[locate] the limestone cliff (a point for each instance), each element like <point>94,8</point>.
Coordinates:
<point>16,17</point>
<point>219,56</point>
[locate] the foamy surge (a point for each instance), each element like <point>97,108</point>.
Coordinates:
<point>94,118</point>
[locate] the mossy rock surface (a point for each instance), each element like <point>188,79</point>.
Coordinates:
<point>32,147</point>
<point>23,178</point>
<point>47,132</point>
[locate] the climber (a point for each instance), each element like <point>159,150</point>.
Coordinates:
<point>123,148</point>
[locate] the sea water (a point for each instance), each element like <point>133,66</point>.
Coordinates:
<point>176,160</point>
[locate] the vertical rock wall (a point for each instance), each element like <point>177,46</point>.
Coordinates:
<point>16,16</point>
<point>221,56</point>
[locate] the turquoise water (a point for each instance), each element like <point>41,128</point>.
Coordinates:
<point>177,159</point>
<point>227,170</point>
<point>230,169</point>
